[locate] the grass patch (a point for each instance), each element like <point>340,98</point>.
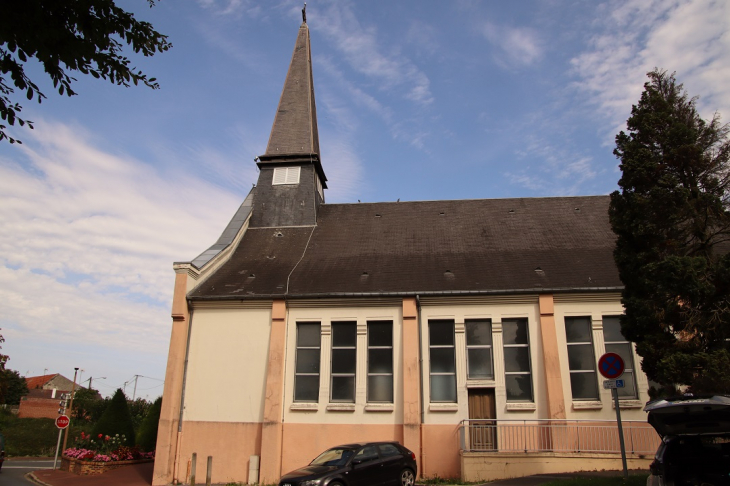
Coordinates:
<point>633,480</point>
<point>34,437</point>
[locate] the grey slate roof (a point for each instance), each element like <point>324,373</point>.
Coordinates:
<point>229,234</point>
<point>295,126</point>
<point>428,247</point>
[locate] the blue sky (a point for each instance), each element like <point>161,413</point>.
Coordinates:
<point>416,100</point>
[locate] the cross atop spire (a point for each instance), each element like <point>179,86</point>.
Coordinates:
<point>304,13</point>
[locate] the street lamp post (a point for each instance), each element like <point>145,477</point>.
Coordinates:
<point>70,408</point>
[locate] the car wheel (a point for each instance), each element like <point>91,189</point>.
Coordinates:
<point>407,478</point>
<point>335,483</point>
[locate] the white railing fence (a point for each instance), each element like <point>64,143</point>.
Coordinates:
<point>568,436</point>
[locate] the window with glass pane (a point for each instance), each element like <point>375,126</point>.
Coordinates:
<point>581,358</point>
<point>344,360</point>
<point>306,375</point>
<point>380,361</point>
<point>479,349</point>
<point>442,360</point>
<point>617,343</point>
<point>517,374</point>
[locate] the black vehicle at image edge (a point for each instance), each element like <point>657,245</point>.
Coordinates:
<point>364,464</point>
<point>695,447</point>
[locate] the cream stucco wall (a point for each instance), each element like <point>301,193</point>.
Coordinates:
<point>495,309</point>
<point>361,412</point>
<point>596,306</point>
<point>227,360</point>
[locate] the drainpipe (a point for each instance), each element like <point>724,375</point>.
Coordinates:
<point>420,378</point>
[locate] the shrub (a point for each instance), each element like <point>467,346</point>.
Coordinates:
<point>116,419</point>
<point>147,435</point>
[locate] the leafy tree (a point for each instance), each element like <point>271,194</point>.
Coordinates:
<point>147,435</point>
<point>88,405</point>
<point>12,387</point>
<point>672,220</point>
<point>3,357</point>
<point>138,410</point>
<point>116,419</point>
<point>71,35</point>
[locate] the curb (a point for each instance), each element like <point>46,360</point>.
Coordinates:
<point>33,479</point>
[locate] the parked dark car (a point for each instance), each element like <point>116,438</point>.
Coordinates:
<point>370,464</point>
<point>2,450</point>
<point>695,448</point>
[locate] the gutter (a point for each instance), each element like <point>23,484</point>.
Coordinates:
<point>434,293</point>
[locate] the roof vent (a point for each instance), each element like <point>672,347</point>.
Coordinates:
<point>511,211</point>
<point>278,234</point>
<point>364,277</point>
<point>577,209</point>
<point>442,213</point>
<point>377,215</point>
<point>449,275</point>
<point>540,271</point>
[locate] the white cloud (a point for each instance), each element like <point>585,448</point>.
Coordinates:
<point>691,37</point>
<point>89,238</point>
<point>518,47</point>
<point>362,50</point>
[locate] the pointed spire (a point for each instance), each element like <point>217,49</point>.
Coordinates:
<point>294,135</point>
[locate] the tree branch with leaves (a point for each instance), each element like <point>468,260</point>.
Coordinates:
<point>86,36</point>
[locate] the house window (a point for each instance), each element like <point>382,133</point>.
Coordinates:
<point>442,360</point>
<point>306,376</point>
<point>479,349</point>
<point>286,175</point>
<point>344,360</point>
<point>581,359</point>
<point>380,361</point>
<point>617,343</point>
<point>517,374</point>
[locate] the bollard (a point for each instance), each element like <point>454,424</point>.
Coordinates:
<point>192,469</point>
<point>253,470</point>
<point>210,471</point>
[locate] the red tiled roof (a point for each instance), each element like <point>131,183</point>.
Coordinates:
<point>38,381</point>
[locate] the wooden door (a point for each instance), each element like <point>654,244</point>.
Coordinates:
<point>482,415</point>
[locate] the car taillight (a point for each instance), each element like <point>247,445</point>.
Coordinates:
<point>413,455</point>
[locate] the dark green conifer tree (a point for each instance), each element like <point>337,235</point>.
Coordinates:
<point>147,435</point>
<point>672,220</point>
<point>116,419</point>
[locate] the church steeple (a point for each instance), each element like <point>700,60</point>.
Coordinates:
<point>294,134</point>
<point>292,181</point>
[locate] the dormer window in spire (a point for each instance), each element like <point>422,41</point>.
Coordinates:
<point>286,175</point>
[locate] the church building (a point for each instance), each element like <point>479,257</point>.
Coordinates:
<point>467,330</point>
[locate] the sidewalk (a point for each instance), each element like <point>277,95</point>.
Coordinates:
<point>137,475</point>
<point>141,475</point>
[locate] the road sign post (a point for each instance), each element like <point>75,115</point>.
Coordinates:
<point>612,366</point>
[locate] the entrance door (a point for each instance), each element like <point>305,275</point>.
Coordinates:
<point>482,415</point>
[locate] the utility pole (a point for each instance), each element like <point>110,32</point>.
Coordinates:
<point>134,394</point>
<point>70,408</point>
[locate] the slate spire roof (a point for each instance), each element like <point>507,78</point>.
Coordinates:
<point>294,135</point>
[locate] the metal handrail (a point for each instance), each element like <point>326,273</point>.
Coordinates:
<point>562,436</point>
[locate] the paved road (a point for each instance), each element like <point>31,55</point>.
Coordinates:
<point>14,471</point>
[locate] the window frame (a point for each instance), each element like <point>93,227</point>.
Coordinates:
<point>628,364</point>
<point>431,347</point>
<point>338,325</point>
<point>489,347</point>
<point>286,176</point>
<point>525,345</point>
<point>297,374</point>
<point>369,357</point>
<point>592,346</point>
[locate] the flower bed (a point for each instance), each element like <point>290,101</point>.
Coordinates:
<point>101,454</point>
